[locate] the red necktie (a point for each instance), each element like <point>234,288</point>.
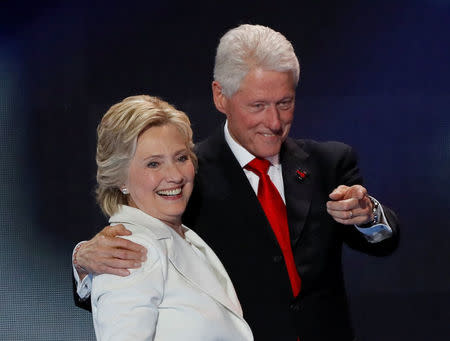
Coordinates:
<point>275,211</point>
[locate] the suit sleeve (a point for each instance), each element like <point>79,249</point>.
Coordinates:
<point>126,308</point>
<point>82,303</point>
<point>348,174</point>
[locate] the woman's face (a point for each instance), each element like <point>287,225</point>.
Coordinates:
<point>161,174</point>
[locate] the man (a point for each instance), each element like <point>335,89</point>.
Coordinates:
<point>284,260</point>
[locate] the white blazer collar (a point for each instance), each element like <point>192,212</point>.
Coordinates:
<point>134,216</point>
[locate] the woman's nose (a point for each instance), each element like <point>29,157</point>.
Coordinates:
<point>173,173</point>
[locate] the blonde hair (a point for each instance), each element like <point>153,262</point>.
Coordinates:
<point>117,136</point>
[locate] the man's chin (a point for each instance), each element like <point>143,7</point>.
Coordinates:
<point>267,150</point>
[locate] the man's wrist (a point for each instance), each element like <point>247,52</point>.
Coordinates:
<point>81,271</point>
<point>374,215</point>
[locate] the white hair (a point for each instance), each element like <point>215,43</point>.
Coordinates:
<point>248,47</point>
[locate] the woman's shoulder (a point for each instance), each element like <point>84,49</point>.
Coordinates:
<point>145,232</point>
<point>144,228</point>
<point>156,261</point>
<point>152,239</point>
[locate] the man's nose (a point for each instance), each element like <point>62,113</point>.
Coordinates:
<point>272,118</point>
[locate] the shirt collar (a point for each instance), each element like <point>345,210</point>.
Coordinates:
<point>243,155</point>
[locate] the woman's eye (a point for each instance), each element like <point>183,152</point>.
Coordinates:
<point>152,164</point>
<point>183,158</point>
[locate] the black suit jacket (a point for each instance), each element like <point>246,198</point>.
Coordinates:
<point>225,211</point>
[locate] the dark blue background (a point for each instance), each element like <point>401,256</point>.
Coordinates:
<point>374,74</point>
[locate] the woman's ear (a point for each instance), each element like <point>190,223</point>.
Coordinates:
<point>124,189</point>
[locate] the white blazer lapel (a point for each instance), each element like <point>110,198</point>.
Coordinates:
<point>208,275</point>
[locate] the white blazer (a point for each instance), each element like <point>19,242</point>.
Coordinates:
<point>182,291</point>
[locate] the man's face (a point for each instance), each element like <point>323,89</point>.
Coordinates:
<point>260,113</point>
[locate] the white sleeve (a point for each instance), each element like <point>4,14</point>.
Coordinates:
<point>126,308</point>
<point>379,231</point>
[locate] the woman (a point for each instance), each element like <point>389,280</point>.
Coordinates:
<point>145,177</point>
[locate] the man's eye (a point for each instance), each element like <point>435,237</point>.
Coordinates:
<point>257,107</point>
<point>285,105</point>
<point>152,164</point>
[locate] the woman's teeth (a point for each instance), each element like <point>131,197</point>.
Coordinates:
<point>170,192</point>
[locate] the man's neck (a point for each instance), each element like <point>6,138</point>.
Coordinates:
<point>240,153</point>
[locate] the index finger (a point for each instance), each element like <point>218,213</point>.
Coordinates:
<point>338,193</point>
<point>342,205</point>
<point>356,191</point>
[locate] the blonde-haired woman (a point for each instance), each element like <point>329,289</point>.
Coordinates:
<point>146,167</point>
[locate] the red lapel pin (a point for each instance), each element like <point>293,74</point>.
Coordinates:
<point>301,174</point>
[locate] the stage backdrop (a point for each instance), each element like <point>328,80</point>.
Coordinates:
<point>375,74</point>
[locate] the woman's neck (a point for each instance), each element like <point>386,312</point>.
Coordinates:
<point>177,227</point>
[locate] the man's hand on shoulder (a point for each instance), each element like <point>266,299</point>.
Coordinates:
<point>105,253</point>
<point>350,205</point>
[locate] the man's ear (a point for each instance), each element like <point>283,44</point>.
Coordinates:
<point>220,101</point>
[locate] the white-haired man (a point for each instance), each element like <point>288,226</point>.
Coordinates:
<point>282,207</point>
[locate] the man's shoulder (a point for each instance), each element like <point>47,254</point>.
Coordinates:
<point>331,161</point>
<point>318,148</point>
<point>210,146</point>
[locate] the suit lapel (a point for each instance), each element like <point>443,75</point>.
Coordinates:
<point>298,192</point>
<point>248,204</point>
<point>230,182</point>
